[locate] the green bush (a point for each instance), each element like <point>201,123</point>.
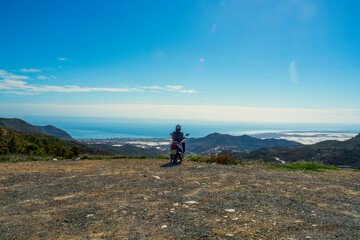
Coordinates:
<point>31,148</point>
<point>357,170</point>
<point>5,151</point>
<point>14,144</point>
<point>310,166</point>
<point>75,150</point>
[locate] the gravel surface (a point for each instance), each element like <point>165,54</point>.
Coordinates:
<point>150,199</point>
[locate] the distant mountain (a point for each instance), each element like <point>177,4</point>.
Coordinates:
<point>345,153</point>
<point>217,142</point>
<point>21,125</point>
<point>54,131</point>
<point>128,150</point>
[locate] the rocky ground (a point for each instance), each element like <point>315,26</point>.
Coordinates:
<point>150,199</point>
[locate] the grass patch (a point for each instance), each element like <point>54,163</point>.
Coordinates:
<point>197,158</point>
<point>22,158</point>
<point>357,170</point>
<point>163,158</point>
<point>309,166</point>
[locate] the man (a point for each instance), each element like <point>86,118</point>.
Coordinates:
<point>178,136</point>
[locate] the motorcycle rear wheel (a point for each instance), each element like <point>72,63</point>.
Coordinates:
<point>174,158</point>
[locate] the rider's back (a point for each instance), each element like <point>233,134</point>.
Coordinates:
<point>177,136</point>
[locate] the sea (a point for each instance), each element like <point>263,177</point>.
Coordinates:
<point>103,128</point>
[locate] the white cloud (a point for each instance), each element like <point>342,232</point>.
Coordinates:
<point>31,70</point>
<point>190,112</point>
<point>63,59</point>
<point>170,88</point>
<point>15,84</point>
<point>293,73</point>
<point>42,77</point>
<point>8,75</point>
<point>23,88</point>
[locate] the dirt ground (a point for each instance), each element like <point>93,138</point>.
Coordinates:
<point>150,199</point>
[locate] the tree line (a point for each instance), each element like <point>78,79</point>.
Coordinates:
<point>14,142</point>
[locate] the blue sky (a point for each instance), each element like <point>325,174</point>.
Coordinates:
<point>227,60</point>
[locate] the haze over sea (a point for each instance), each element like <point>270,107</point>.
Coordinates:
<point>102,128</point>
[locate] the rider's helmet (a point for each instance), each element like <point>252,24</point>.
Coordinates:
<point>178,127</point>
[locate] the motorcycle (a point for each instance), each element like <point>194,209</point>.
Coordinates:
<point>176,151</point>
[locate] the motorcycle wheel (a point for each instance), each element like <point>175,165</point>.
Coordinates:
<point>174,159</point>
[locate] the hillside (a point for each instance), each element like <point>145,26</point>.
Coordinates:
<point>18,125</point>
<point>128,150</point>
<point>216,142</point>
<point>328,152</point>
<point>13,142</point>
<point>21,125</point>
<point>147,199</point>
<point>54,131</point>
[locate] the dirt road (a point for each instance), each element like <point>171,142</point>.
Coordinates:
<point>150,199</point>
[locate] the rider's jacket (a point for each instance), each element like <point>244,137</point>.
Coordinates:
<point>177,136</point>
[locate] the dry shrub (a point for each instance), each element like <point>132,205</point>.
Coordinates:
<point>224,158</point>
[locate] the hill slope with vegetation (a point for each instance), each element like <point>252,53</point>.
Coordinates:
<point>328,152</point>
<point>14,142</point>
<point>210,143</point>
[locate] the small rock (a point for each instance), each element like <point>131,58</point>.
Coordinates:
<point>229,235</point>
<point>89,215</point>
<point>172,209</point>
<point>55,159</point>
<point>157,177</point>
<point>191,202</point>
<point>229,210</point>
<point>308,237</point>
<point>175,204</point>
<point>163,226</point>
